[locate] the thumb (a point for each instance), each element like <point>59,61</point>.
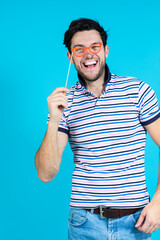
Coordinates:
<point>140,220</point>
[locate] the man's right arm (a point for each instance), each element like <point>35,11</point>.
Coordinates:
<point>48,157</point>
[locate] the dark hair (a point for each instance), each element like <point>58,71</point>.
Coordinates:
<point>80,25</point>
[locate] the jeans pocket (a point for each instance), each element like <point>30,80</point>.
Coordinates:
<point>136,215</point>
<point>77,217</point>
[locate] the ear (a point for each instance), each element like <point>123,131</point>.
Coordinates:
<point>70,57</point>
<point>106,51</point>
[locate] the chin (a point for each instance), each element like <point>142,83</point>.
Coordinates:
<point>90,78</point>
<point>93,75</point>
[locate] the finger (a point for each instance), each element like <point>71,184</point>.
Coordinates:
<point>140,220</point>
<point>58,102</point>
<point>61,89</point>
<point>150,229</point>
<point>57,96</point>
<point>145,226</point>
<point>155,228</point>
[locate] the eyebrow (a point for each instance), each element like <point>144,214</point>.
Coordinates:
<point>81,45</point>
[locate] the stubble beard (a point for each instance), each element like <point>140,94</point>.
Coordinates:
<point>92,79</point>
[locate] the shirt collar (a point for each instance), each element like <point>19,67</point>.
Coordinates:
<point>107,76</point>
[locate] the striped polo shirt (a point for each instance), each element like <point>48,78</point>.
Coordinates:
<point>107,137</point>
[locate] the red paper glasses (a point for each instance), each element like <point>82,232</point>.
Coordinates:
<point>80,51</point>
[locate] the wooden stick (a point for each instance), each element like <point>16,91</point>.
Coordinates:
<point>68,72</point>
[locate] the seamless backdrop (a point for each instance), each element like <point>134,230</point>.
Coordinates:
<point>33,63</point>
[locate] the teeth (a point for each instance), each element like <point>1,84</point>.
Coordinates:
<point>90,63</point>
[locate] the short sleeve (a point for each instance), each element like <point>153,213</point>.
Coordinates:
<point>63,127</point>
<point>149,110</point>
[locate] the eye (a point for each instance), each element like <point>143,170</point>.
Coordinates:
<point>79,50</point>
<point>95,47</point>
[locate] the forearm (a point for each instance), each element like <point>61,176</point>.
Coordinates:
<point>47,160</point>
<point>156,196</point>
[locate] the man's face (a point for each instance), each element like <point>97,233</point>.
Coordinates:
<point>90,66</point>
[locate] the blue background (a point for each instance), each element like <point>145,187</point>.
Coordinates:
<point>33,63</point>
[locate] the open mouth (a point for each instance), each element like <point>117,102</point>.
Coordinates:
<point>90,64</point>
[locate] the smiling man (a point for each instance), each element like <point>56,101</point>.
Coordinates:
<point>105,118</point>
<point>91,65</point>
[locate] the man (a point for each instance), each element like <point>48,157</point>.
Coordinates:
<point>105,117</point>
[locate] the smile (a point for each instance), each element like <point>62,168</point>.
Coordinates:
<point>90,64</point>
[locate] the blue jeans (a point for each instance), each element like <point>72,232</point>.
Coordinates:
<point>85,225</point>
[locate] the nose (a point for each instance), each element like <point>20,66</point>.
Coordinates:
<point>88,53</point>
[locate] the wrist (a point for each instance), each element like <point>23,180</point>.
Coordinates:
<point>156,196</point>
<point>53,123</point>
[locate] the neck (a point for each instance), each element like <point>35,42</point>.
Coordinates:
<point>96,87</point>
